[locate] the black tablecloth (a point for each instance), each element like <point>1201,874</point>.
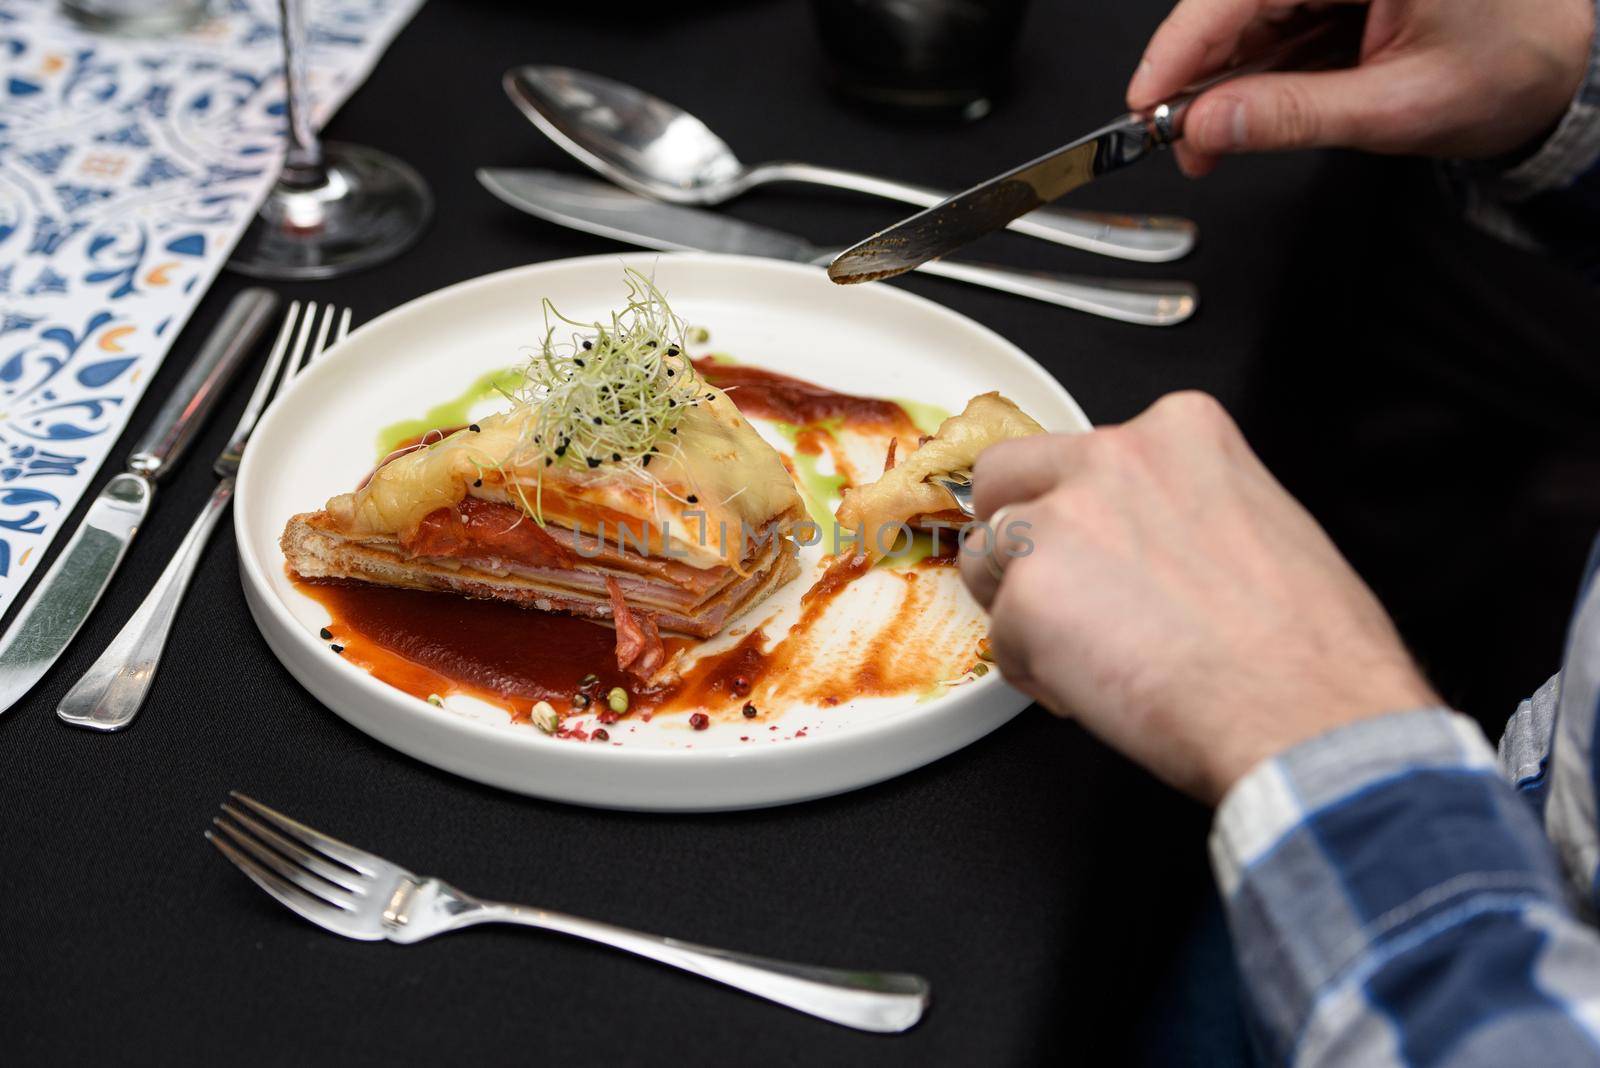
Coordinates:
<point>1428,392</point>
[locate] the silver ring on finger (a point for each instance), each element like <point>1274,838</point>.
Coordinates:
<point>991,558</point>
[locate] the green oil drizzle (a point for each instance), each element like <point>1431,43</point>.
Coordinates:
<point>911,548</point>
<point>926,417</point>
<point>451,413</point>
<point>819,492</point>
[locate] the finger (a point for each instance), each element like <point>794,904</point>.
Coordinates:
<point>1271,112</point>
<point>1020,470</point>
<point>1191,161</point>
<point>987,547</point>
<point>1196,39</point>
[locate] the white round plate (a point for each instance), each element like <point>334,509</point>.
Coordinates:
<point>319,438</point>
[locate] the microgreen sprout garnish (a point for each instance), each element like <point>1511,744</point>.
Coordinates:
<point>607,393</point>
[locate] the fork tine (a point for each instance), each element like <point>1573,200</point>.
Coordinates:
<point>334,872</point>
<point>269,373</point>
<point>328,311</point>
<point>290,896</point>
<point>344,325</point>
<point>320,889</point>
<point>348,855</point>
<point>302,337</point>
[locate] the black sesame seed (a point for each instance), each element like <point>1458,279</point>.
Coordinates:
<point>615,457</point>
<point>548,461</point>
<point>474,428</point>
<point>673,351</point>
<point>561,450</point>
<point>651,343</point>
<point>670,372</point>
<point>593,462</point>
<point>325,633</point>
<point>337,648</point>
<point>579,362</point>
<point>693,499</point>
<point>674,430</point>
<point>598,421</point>
<point>588,345</point>
<point>477,482</point>
<point>646,459</point>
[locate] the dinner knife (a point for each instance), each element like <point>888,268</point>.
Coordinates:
<point>1333,39</point>
<point>600,208</point>
<point>52,616</point>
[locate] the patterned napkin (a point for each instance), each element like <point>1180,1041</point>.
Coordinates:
<point>128,169</point>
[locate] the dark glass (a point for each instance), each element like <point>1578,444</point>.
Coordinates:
<point>941,58</point>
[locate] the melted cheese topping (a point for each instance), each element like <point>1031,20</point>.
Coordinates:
<point>903,493</point>
<point>713,479</point>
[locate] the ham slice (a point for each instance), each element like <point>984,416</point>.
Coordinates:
<point>639,648</point>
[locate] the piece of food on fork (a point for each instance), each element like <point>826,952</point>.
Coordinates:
<point>905,495</point>
<point>619,486</point>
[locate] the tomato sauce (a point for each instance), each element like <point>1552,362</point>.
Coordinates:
<point>770,395</point>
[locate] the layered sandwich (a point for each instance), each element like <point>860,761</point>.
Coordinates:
<point>905,497</point>
<point>618,486</point>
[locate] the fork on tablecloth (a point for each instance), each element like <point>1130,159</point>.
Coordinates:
<point>360,895</point>
<point>112,691</point>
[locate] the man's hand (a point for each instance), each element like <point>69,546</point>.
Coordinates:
<point>1177,601</point>
<point>1461,78</point>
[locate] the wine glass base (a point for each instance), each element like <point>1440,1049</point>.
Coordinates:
<point>370,209</point>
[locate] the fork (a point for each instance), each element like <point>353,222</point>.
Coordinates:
<point>360,895</point>
<point>959,485</point>
<point>112,691</point>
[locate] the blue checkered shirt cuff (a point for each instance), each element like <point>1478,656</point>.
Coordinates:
<point>1341,857</point>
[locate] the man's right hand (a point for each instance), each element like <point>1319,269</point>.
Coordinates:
<point>1459,78</point>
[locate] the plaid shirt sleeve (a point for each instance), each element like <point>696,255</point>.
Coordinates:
<point>1394,901</point>
<point>1572,770</point>
<point>1549,201</point>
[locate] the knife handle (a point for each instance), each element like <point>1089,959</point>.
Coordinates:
<point>1331,39</point>
<point>113,690</point>
<point>1145,303</point>
<point>197,393</point>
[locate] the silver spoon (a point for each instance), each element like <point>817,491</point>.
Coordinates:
<point>656,149</point>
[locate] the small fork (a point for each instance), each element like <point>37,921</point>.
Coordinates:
<point>112,691</point>
<point>959,486</point>
<point>359,895</point>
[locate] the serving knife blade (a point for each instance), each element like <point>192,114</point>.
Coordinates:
<point>1333,39</point>
<point>597,208</point>
<point>69,591</point>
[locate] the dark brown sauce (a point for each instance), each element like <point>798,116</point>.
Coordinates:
<point>437,643</point>
<point>770,395</point>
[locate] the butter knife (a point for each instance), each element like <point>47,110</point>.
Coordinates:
<point>599,208</point>
<point>52,616</point>
<point>1334,39</point>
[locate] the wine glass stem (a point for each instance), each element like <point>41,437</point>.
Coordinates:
<point>303,164</point>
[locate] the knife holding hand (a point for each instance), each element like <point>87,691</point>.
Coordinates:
<point>1332,39</point>
<point>53,614</point>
